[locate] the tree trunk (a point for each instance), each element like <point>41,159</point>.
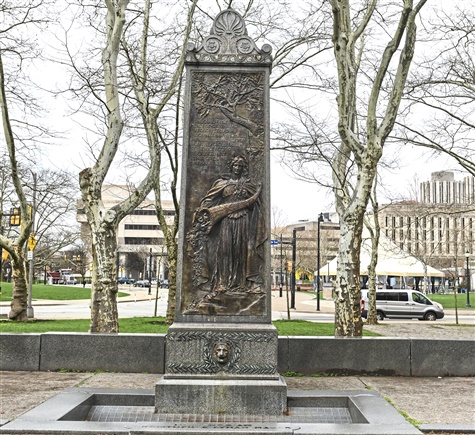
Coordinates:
<point>104,313</point>
<point>172,275</point>
<point>372,316</point>
<point>348,321</point>
<point>19,303</point>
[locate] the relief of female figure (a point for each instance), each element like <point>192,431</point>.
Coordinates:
<point>234,234</point>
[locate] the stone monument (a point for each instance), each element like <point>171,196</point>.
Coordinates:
<point>221,351</point>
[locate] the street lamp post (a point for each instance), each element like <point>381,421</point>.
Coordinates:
<point>294,256</point>
<point>280,280</point>
<point>30,312</point>
<point>150,273</point>
<point>320,220</point>
<point>467,257</point>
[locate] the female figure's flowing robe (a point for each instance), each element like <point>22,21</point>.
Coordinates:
<point>235,243</point>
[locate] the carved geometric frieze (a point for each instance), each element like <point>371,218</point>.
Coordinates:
<point>220,352</point>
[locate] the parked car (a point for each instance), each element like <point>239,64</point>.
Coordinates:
<point>125,280</point>
<point>402,303</point>
<point>142,283</point>
<point>164,283</point>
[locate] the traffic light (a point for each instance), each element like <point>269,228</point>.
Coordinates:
<point>15,217</point>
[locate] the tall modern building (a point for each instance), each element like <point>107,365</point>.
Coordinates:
<point>140,240</point>
<point>444,189</point>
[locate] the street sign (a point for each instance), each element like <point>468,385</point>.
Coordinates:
<point>274,242</point>
<point>32,242</point>
<point>29,255</point>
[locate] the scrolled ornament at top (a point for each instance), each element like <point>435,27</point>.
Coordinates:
<point>228,42</point>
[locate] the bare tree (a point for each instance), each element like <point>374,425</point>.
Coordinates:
<point>362,143</point>
<point>441,89</point>
<point>55,203</point>
<point>104,222</point>
<point>152,101</point>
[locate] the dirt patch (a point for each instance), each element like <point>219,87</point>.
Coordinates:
<point>21,391</point>
<point>423,330</point>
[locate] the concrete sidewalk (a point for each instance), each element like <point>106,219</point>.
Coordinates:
<point>445,405</point>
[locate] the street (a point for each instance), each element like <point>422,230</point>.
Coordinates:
<point>139,303</point>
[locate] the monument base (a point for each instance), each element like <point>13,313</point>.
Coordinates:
<point>221,369</point>
<point>232,397</point>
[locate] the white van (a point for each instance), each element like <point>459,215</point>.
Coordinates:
<point>402,304</point>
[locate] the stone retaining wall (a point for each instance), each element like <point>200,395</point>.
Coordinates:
<point>138,353</point>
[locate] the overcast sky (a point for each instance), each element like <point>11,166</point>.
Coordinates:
<point>297,200</point>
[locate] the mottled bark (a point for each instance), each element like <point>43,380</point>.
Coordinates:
<point>348,321</point>
<point>104,314</point>
<point>172,276</point>
<point>374,231</point>
<point>103,222</point>
<point>19,303</point>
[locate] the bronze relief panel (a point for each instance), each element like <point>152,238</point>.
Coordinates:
<point>226,224</point>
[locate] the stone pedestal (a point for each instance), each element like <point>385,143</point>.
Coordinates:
<point>221,369</point>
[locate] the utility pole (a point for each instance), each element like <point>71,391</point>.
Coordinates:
<point>294,259</point>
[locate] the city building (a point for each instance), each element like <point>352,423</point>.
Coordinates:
<point>444,189</point>
<point>440,228</point>
<point>306,243</point>
<point>140,241</point>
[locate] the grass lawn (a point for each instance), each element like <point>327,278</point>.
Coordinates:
<point>157,325</point>
<point>53,292</point>
<point>448,301</point>
<point>304,328</point>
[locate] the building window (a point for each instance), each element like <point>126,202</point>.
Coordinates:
<point>470,226</point>
<point>143,241</point>
<point>142,227</point>
<point>151,212</point>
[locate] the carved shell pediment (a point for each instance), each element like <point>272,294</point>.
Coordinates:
<point>228,42</point>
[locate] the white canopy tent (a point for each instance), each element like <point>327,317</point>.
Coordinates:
<point>392,261</point>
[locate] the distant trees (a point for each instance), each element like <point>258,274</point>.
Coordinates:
<point>441,88</point>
